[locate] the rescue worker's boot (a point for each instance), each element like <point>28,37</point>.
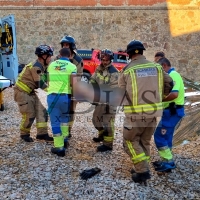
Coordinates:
<point>100,136</point>
<point>103,148</point>
<point>132,171</point>
<point>26,138</point>
<point>66,143</point>
<point>141,177</point>
<point>70,135</point>
<point>98,139</point>
<point>59,151</point>
<point>158,163</point>
<point>165,166</point>
<point>44,137</point>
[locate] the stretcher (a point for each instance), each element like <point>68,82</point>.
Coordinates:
<point>4,83</point>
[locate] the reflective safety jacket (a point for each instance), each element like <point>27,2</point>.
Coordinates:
<point>78,61</point>
<point>33,76</point>
<point>107,75</point>
<point>143,82</point>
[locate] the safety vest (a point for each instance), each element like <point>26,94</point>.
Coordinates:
<point>146,98</point>
<point>59,76</point>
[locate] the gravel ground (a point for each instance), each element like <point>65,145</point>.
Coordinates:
<point>30,171</point>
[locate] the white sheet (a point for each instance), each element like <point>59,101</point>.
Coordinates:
<point>4,83</point>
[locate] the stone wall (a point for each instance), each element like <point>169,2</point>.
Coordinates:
<point>174,30</point>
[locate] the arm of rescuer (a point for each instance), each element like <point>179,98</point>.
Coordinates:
<point>175,90</point>
<point>79,70</point>
<point>93,78</point>
<point>39,77</point>
<point>73,78</point>
<point>122,83</point>
<point>168,85</point>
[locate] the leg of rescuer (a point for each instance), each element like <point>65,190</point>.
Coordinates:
<point>65,119</point>
<point>55,118</point>
<point>41,121</point>
<point>97,121</point>
<point>108,123</point>
<point>26,104</point>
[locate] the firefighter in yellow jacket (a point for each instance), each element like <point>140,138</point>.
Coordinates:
<point>145,84</point>
<point>69,42</point>
<point>104,114</point>
<point>32,77</point>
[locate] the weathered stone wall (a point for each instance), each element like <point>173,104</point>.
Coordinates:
<point>113,28</point>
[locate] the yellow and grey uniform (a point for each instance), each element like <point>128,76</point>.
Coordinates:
<point>33,76</point>
<point>104,115</point>
<point>145,84</point>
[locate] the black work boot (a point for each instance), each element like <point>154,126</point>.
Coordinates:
<point>26,138</point>
<point>44,137</point>
<point>141,177</point>
<point>103,148</point>
<point>157,164</point>
<point>59,152</point>
<point>133,171</point>
<point>70,135</point>
<point>98,139</point>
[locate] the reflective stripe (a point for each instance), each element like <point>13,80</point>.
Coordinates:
<point>108,139</point>
<point>24,87</point>
<point>85,54</point>
<point>22,124</point>
<point>143,108</point>
<point>57,134</point>
<point>64,129</point>
<point>58,140</point>
<point>136,158</point>
<point>160,81</point>
<point>139,158</point>
<point>102,77</point>
<point>130,147</point>
<point>64,124</point>
<point>165,154</point>
<point>100,132</point>
<point>163,148</point>
<point>134,87</point>
<point>41,124</point>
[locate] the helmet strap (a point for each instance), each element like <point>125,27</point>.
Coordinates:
<point>44,59</point>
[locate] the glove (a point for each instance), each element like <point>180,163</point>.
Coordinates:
<point>88,173</point>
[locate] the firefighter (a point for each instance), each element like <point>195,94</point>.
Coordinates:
<point>33,76</point>
<point>172,115</point>
<point>59,89</point>
<point>143,82</point>
<point>104,114</point>
<point>69,42</point>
